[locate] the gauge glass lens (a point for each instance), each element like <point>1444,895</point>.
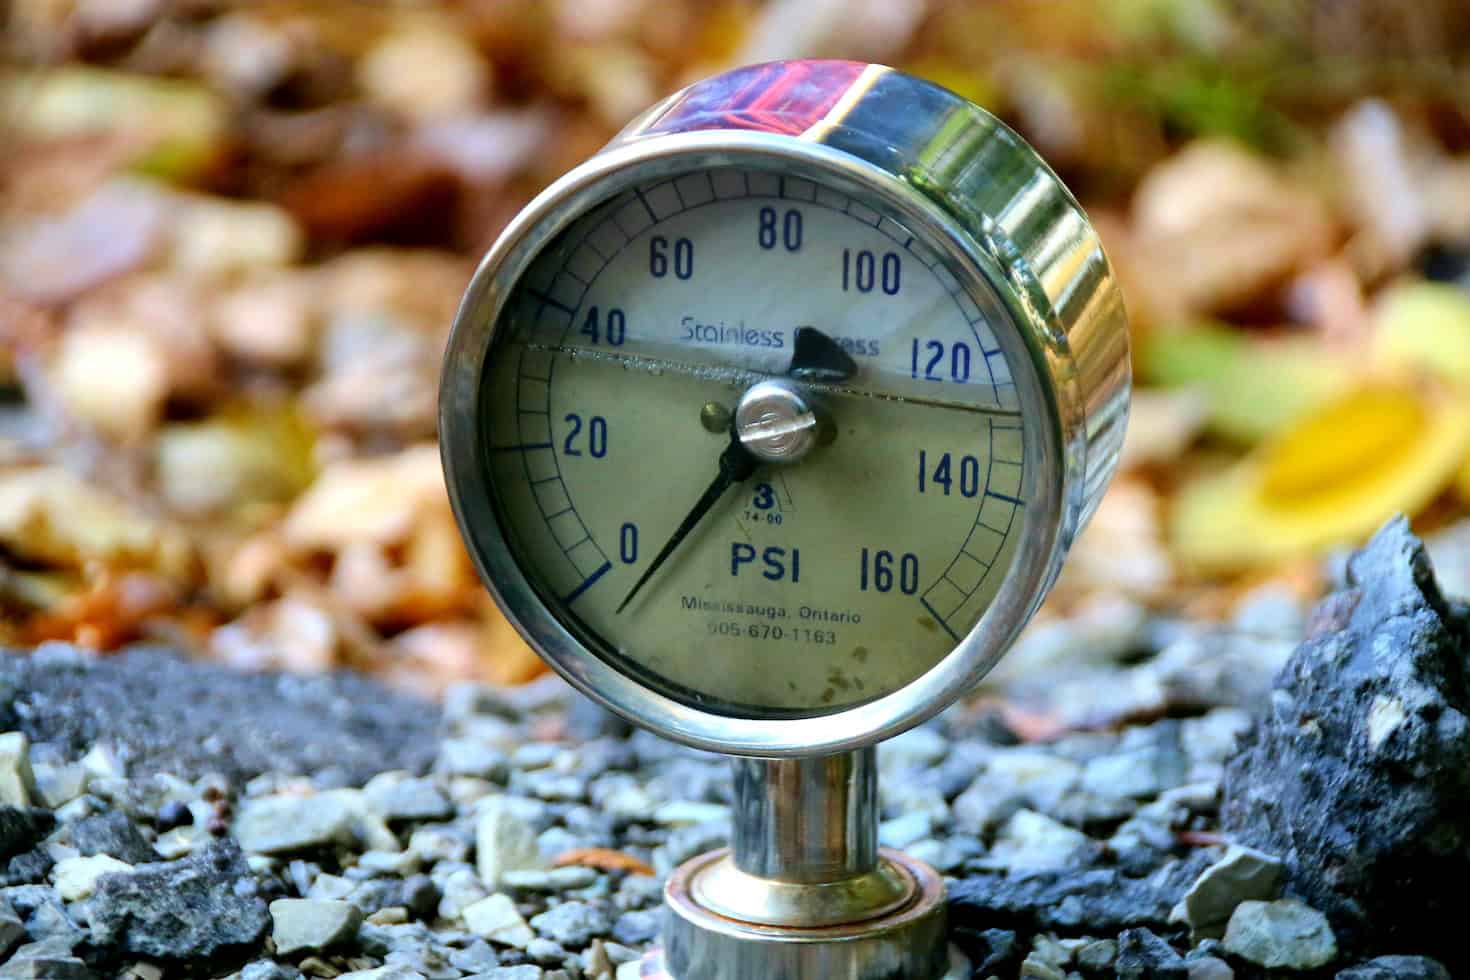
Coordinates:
<point>786,587</point>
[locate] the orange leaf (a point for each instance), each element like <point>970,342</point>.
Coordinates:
<point>603,858</point>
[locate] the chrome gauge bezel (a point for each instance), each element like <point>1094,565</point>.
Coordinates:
<point>1044,400</point>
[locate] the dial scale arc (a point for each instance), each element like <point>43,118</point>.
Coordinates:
<point>558,303</point>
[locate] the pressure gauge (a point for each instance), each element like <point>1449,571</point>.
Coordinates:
<point>770,424</point>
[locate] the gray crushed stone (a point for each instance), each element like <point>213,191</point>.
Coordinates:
<point>164,714</point>
<point>394,840</point>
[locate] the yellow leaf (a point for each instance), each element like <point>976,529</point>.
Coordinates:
<point>1426,326</point>
<point>1373,428</point>
<point>1331,479</point>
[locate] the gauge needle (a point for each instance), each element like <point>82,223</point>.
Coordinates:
<point>815,357</point>
<point>736,463</point>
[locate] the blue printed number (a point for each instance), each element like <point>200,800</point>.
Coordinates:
<point>948,471</point>
<point>596,438</point>
<point>783,228</point>
<point>628,543</point>
<point>765,496</point>
<point>877,572</point>
<point>613,328</point>
<point>661,252</point>
<point>931,360</point>
<point>862,270</point>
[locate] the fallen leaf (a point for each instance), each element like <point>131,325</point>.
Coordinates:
<point>602,858</point>
<point>1220,226</point>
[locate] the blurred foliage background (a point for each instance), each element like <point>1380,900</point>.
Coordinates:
<point>233,234</point>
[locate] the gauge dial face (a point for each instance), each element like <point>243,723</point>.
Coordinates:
<point>696,561</point>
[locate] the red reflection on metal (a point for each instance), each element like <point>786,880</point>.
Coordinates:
<point>785,97</point>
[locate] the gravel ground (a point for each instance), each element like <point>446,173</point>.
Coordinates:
<point>164,818</point>
<point>162,714</point>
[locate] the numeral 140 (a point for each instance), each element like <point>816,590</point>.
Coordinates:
<point>950,473</point>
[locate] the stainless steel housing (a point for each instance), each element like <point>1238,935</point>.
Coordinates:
<point>962,182</point>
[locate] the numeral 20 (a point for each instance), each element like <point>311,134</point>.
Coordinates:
<point>596,441</point>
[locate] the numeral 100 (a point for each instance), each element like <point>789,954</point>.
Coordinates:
<point>863,270</point>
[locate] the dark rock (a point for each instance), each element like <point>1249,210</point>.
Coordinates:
<point>420,896</point>
<point>545,952</point>
<point>205,905</point>
<point>1144,956</point>
<point>375,894</point>
<point>959,769</point>
<point>24,869</point>
<point>992,952</point>
<point>174,813</point>
<point>1359,778</point>
<point>191,718</point>
<point>12,930</point>
<point>21,829</point>
<point>636,928</point>
<point>477,957</point>
<point>45,960</point>
<point>269,970</point>
<point>572,924</point>
<point>1396,968</point>
<point>1093,901</point>
<point>44,914</point>
<point>416,893</point>
<point>513,957</point>
<point>1206,949</point>
<point>112,833</point>
<point>1097,956</point>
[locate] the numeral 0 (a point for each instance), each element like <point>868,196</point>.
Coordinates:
<point>876,571</point>
<point>628,543</point>
<point>658,257</point>
<point>596,441</point>
<point>790,229</point>
<point>862,271</point>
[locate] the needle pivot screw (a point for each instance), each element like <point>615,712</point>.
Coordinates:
<point>775,422</point>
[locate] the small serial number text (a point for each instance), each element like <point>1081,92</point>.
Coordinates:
<point>769,631</point>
